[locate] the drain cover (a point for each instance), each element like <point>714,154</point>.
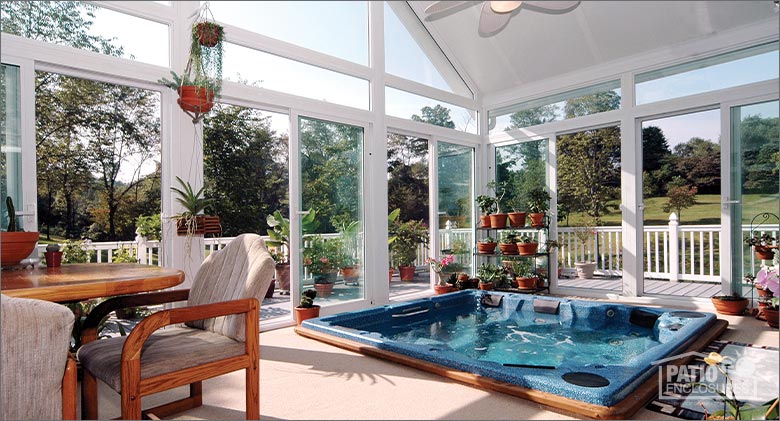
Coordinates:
<point>616,342</point>
<point>583,379</point>
<point>687,314</point>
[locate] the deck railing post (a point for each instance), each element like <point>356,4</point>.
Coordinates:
<point>141,252</point>
<point>674,248</point>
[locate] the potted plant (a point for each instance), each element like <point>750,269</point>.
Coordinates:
<point>350,266</point>
<point>768,281</point>
<point>508,245</point>
<point>306,309</point>
<point>732,305</point>
<point>489,274</point>
<point>192,221</point>
<point>763,244</point>
<point>15,244</point>
<point>407,236</point>
<point>585,268</point>
<point>442,285</point>
<point>516,217</point>
<point>498,219</point>
<point>486,245</point>
<point>323,258</point>
<point>487,205</point>
<point>538,204</point>
<point>523,272</point>
<point>279,238</point>
<point>196,94</point>
<point>527,246</point>
<point>53,256</point>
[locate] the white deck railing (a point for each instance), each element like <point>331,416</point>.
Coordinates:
<point>673,251</point>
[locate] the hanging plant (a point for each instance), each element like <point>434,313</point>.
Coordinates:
<point>200,84</point>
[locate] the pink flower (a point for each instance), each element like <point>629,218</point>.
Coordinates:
<point>768,279</point>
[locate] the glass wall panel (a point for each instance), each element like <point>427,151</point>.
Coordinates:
<point>407,192</point>
<point>681,166</point>
<point>580,102</point>
<point>256,68</point>
<point>99,162</point>
<point>736,68</point>
<point>10,140</point>
<point>338,28</point>
<point>332,255</point>
<point>88,27</point>
<point>589,217</point>
<point>755,164</point>
<point>456,203</point>
<point>403,104</point>
<point>410,52</point>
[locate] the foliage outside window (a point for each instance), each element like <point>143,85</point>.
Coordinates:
<point>521,167</point>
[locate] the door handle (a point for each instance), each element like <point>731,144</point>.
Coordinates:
<point>302,212</point>
<point>730,202</point>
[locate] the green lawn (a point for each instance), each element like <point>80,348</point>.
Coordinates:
<point>706,211</point>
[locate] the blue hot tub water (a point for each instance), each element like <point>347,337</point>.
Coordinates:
<point>590,351</point>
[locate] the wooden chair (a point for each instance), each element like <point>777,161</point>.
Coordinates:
<point>220,336</point>
<point>37,375</point>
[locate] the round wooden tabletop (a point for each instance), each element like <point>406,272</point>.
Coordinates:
<point>77,282</point>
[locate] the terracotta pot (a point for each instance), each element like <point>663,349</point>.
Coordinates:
<point>204,224</point>
<point>484,221</point>
<point>772,317</point>
<point>283,276</point>
<point>351,272</point>
<point>585,269</point>
<point>764,252</point>
<point>195,99</point>
<point>486,248</point>
<point>463,276</point>
<point>53,259</point>
<point>324,290</point>
<point>485,286</point>
<point>302,314</point>
<point>442,289</point>
<point>517,219</point>
<point>526,283</point>
<point>498,220</point>
<point>407,273</point>
<point>15,246</point>
<point>509,249</point>
<point>390,278</point>
<point>527,249</point>
<point>537,219</point>
<point>730,307</point>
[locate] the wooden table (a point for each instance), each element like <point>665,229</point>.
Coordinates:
<point>77,282</point>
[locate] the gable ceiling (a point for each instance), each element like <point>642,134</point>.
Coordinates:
<point>536,46</point>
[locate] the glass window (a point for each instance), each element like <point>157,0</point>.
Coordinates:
<point>577,103</point>
<point>736,68</point>
<point>331,156</point>
<point>98,149</point>
<point>456,201</point>
<point>257,68</point>
<point>88,27</point>
<point>10,140</point>
<point>419,108</point>
<point>338,28</point>
<point>410,52</point>
<point>522,167</point>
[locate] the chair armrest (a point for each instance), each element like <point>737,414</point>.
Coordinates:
<point>89,328</point>
<point>136,339</point>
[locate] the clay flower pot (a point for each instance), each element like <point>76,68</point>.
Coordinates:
<point>585,269</point>
<point>195,99</point>
<point>498,220</point>
<point>53,259</point>
<point>526,283</point>
<point>407,272</point>
<point>509,249</point>
<point>517,219</point>
<point>764,252</point>
<point>527,249</point>
<point>731,307</point>
<point>537,219</point>
<point>772,317</point>
<point>442,289</point>
<point>302,314</point>
<point>486,248</point>
<point>16,246</point>
<point>484,221</point>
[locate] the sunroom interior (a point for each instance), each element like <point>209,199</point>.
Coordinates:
<point>653,127</point>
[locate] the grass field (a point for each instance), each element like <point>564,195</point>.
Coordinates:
<point>706,211</point>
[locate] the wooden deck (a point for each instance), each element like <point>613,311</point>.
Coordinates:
<point>677,289</point>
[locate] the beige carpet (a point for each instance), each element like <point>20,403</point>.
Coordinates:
<point>305,379</point>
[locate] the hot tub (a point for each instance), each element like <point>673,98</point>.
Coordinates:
<point>586,357</point>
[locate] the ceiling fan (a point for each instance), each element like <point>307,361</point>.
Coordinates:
<point>496,14</point>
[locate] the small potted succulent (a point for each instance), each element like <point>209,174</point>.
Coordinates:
<point>53,256</point>
<point>763,244</point>
<point>486,245</point>
<point>524,274</point>
<point>498,219</point>
<point>508,245</point>
<point>527,246</point>
<point>306,309</point>
<point>489,274</point>
<point>538,204</point>
<point>487,205</point>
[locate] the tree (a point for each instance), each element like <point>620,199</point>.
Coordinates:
<point>679,198</point>
<point>532,116</point>
<point>407,176</point>
<point>438,116</point>
<point>245,168</point>
<point>591,104</point>
<point>655,158</point>
<point>698,162</point>
<point>760,157</point>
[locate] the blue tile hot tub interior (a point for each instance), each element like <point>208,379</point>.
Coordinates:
<point>593,352</point>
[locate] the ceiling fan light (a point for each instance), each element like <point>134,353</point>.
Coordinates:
<point>504,6</point>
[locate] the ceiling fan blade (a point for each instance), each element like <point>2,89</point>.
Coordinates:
<point>442,6</point>
<point>491,22</point>
<point>552,5</point>
<point>504,6</point>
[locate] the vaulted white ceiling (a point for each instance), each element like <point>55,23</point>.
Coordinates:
<point>535,46</point>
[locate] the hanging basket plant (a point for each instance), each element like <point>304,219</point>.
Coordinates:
<point>200,84</point>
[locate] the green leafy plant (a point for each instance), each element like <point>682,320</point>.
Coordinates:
<point>538,200</point>
<point>149,226</point>
<point>407,236</point>
<point>499,189</point>
<point>759,239</point>
<point>489,273</point>
<point>279,232</point>
<point>76,251</point>
<point>124,255</point>
<point>522,268</point>
<point>194,204</point>
<point>200,81</point>
<point>307,298</point>
<point>323,256</point>
<point>487,239</point>
<point>487,204</point>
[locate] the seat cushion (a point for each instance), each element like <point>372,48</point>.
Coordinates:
<point>164,352</point>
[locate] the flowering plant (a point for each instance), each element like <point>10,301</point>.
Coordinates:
<point>439,265</point>
<point>768,279</point>
<point>323,256</point>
